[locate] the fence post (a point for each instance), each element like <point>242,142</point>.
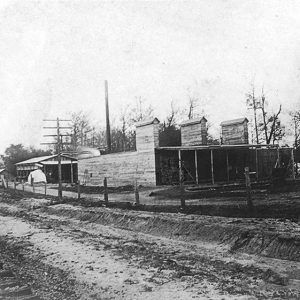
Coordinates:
<point>33,188</point>
<point>136,193</point>
<point>248,188</point>
<point>22,185</point>
<point>15,184</point>
<point>182,200</point>
<point>6,183</point>
<point>78,189</point>
<point>45,188</point>
<point>105,190</point>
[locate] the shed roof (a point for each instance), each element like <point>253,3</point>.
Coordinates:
<point>193,121</point>
<point>147,122</point>
<point>234,121</point>
<point>40,159</point>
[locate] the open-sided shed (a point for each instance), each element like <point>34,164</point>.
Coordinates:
<point>49,165</point>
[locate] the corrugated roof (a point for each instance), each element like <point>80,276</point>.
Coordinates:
<point>39,159</point>
<point>193,121</point>
<point>35,160</point>
<point>234,121</point>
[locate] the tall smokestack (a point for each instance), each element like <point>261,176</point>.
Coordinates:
<point>108,140</point>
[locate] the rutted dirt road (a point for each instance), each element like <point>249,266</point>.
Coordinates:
<point>69,252</point>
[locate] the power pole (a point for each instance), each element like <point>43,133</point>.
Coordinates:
<point>58,143</point>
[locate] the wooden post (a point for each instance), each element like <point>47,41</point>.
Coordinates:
<point>6,183</point>
<point>212,166</point>
<point>256,163</point>
<point>33,187</point>
<point>278,157</point>
<point>182,200</point>
<point>105,190</point>
<point>293,164</point>
<point>78,189</point>
<point>23,185</point>
<point>227,166</point>
<point>59,161</point>
<point>45,188</point>
<point>15,184</point>
<point>248,188</point>
<point>196,167</point>
<point>72,172</point>
<point>136,193</point>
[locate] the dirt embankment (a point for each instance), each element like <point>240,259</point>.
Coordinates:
<point>268,237</point>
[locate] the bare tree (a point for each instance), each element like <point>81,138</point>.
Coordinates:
<point>295,118</point>
<point>140,111</point>
<point>80,128</point>
<point>253,103</point>
<point>271,125</point>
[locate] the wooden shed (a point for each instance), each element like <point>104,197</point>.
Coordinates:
<point>194,132</point>
<point>49,165</point>
<point>235,132</point>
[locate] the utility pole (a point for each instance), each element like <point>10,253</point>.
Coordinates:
<point>58,143</point>
<point>108,139</point>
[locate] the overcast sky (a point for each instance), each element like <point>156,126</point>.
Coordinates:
<point>55,56</point>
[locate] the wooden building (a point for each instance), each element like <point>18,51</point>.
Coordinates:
<point>49,165</point>
<point>235,132</point>
<point>198,162</point>
<point>194,132</point>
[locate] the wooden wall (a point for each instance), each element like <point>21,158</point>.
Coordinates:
<point>119,168</point>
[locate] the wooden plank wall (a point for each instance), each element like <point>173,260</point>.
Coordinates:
<point>119,168</point>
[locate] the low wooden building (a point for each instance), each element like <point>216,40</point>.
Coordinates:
<point>49,165</point>
<point>197,162</point>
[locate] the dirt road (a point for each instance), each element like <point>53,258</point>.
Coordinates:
<point>68,252</point>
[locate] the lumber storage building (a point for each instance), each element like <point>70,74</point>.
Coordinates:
<point>196,161</point>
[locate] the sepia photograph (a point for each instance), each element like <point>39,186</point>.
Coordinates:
<point>149,149</point>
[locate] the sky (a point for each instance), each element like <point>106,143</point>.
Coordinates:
<point>55,56</point>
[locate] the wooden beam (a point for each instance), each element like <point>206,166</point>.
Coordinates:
<point>196,167</point>
<point>256,163</point>
<point>227,166</point>
<point>180,166</point>
<point>212,166</point>
<point>293,164</point>
<point>71,172</point>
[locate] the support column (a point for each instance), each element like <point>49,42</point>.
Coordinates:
<point>180,167</point>
<point>196,167</point>
<point>256,163</point>
<point>212,167</point>
<point>71,172</point>
<point>227,166</point>
<point>293,164</point>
